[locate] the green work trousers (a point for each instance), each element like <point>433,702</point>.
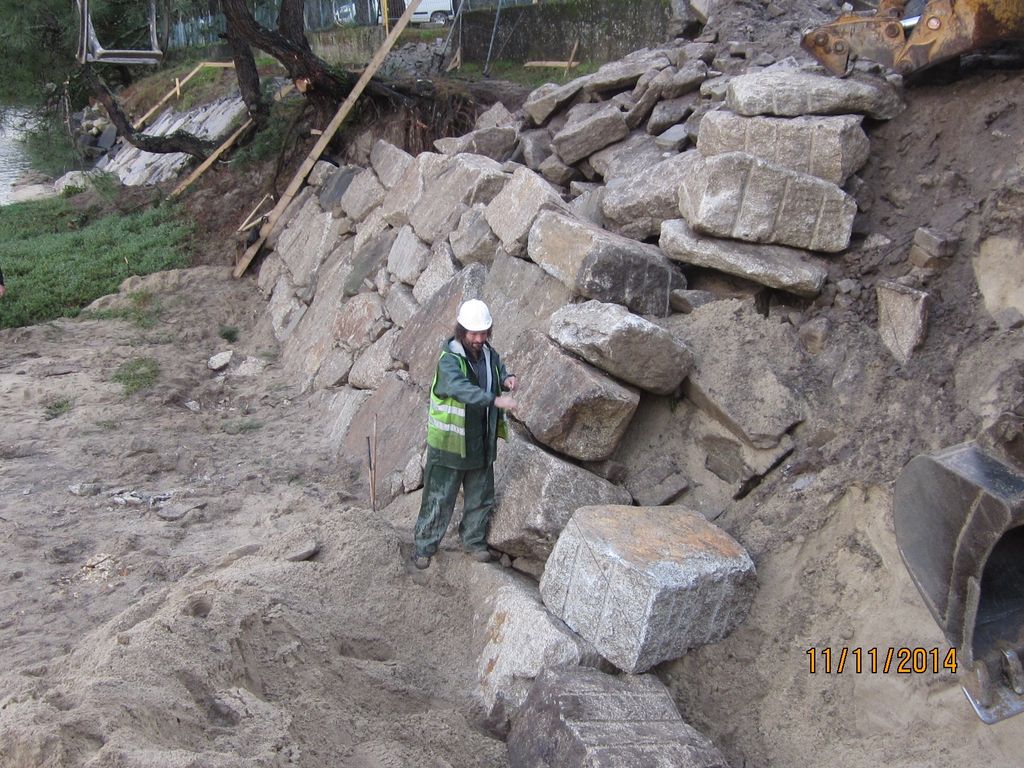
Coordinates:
<point>440,489</point>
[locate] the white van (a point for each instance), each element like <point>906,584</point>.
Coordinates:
<point>434,11</point>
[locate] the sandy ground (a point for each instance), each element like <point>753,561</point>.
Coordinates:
<point>161,605</point>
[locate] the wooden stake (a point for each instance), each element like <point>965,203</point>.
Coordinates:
<point>325,139</point>
<point>456,61</point>
<point>572,55</point>
<point>248,220</point>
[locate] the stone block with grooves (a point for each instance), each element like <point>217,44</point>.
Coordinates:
<point>512,212</point>
<point>580,139</point>
<point>568,405</point>
<point>740,196</point>
<point>582,718</point>
<point>601,265</point>
<point>788,94</point>
<point>537,492</point>
<point>645,584</point>
<point>902,318</point>
<point>776,266</point>
<point>831,148</point>
<point>622,344</point>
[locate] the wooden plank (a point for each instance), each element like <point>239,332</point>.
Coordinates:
<point>325,139</point>
<point>284,89</point>
<point>248,220</point>
<point>176,90</point>
<point>210,160</point>
<point>572,55</point>
<point>552,64</point>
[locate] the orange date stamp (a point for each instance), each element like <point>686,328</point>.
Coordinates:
<point>872,660</point>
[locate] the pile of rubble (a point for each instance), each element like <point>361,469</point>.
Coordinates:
<point>576,221</point>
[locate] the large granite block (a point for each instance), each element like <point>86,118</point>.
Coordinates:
<point>537,493</point>
<point>496,143</point>
<point>601,265</point>
<point>407,192</point>
<point>568,405</point>
<point>788,94</point>
<point>473,240</point>
<point>512,212</point>
<point>776,266</point>
<point>645,584</point>
<point>408,256</point>
<point>520,640</point>
<point>468,179</point>
<point>389,162</point>
<point>636,207</point>
<point>578,717</point>
<point>584,137</point>
<point>307,241</point>
<point>364,193</point>
<point>521,296</point>
<point>740,196</point>
<point>831,148</point>
<point>623,344</point>
<point>549,98</point>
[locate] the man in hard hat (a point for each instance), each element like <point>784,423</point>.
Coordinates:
<point>465,420</point>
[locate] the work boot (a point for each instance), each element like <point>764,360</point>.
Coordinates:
<point>481,555</point>
<point>422,562</point>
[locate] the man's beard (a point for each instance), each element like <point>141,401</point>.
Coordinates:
<point>474,348</point>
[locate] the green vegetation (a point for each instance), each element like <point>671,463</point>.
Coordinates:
<point>57,407</point>
<point>238,426</point>
<point>229,333</point>
<point>143,311</point>
<point>57,260</point>
<point>49,148</point>
<point>137,374</point>
<point>267,144</point>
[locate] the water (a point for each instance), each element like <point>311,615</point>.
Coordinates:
<point>14,124</point>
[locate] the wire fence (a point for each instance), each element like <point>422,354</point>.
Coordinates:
<point>319,15</point>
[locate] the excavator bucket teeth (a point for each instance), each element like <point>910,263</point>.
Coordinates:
<point>959,518</point>
<point>943,30</point>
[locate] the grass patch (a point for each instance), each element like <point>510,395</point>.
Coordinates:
<point>238,426</point>
<point>137,374</point>
<point>57,407</point>
<point>144,311</point>
<point>229,333</point>
<point>57,260</point>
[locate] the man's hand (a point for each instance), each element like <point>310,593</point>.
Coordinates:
<point>506,403</point>
<point>510,383</point>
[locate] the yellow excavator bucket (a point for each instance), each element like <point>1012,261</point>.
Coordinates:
<point>908,43</point>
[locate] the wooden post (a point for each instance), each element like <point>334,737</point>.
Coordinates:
<point>325,139</point>
<point>572,55</point>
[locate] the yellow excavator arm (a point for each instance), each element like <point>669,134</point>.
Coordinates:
<point>907,43</point>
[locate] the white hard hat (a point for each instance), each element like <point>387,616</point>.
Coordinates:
<point>474,316</point>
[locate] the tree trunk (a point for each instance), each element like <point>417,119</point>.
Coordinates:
<point>248,79</point>
<point>179,141</point>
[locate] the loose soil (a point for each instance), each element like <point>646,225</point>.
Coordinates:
<point>188,581</point>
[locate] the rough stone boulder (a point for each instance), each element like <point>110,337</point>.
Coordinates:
<point>634,155</point>
<point>496,143</point>
<point>468,179</point>
<point>601,265</point>
<point>743,365</point>
<point>520,640</point>
<point>788,269</point>
<point>902,318</point>
<point>831,148</point>
<point>512,212</point>
<point>407,192</point>
<point>521,297</point>
<point>740,196</point>
<point>622,344</point>
<point>364,193</point>
<point>568,405</point>
<point>549,98</point>
<point>582,718</point>
<point>389,162</point>
<point>624,73</point>
<point>473,240</point>
<point>537,493</point>
<point>645,584</point>
<point>419,344</point>
<point>637,207</point>
<point>307,241</point>
<point>408,256</point>
<point>584,137</point>
<point>788,94</point>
